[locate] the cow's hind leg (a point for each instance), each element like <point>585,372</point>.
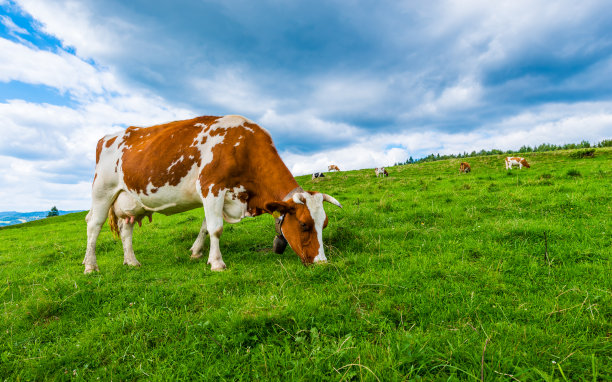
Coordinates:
<point>95,219</point>
<point>126,229</point>
<point>198,245</point>
<point>213,209</point>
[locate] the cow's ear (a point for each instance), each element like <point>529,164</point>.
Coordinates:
<point>279,208</point>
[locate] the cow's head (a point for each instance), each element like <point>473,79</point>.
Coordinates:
<point>303,222</point>
<point>524,163</point>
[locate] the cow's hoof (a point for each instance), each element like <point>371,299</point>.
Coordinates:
<point>195,256</point>
<point>320,259</point>
<point>91,268</point>
<point>217,267</point>
<point>134,263</point>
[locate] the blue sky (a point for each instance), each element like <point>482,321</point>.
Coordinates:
<point>356,83</point>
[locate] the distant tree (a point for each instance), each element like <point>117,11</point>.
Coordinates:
<point>524,149</point>
<point>53,212</point>
<point>605,143</point>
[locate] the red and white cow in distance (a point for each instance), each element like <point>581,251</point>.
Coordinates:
<point>332,167</point>
<point>516,161</point>
<point>464,167</point>
<point>227,164</point>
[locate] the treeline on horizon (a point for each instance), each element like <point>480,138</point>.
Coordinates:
<point>524,149</point>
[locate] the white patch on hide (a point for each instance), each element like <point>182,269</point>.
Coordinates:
<point>315,206</point>
<point>230,121</point>
<point>234,209</point>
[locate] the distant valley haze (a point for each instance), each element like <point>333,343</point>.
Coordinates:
<point>13,217</point>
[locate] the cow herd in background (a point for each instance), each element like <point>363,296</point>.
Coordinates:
<point>464,167</point>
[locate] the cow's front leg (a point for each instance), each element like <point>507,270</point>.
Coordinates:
<point>213,209</point>
<point>95,219</point>
<point>126,229</point>
<point>198,245</point>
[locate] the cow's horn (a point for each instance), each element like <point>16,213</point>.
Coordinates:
<point>332,200</point>
<point>299,198</point>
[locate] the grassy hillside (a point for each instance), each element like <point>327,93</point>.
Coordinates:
<point>432,275</point>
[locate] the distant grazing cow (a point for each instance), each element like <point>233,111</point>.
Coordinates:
<point>512,161</point>
<point>227,164</point>
<point>381,171</point>
<point>332,167</point>
<point>464,167</point>
<point>318,175</point>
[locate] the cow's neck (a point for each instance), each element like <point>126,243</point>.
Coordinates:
<point>282,188</point>
<point>275,185</point>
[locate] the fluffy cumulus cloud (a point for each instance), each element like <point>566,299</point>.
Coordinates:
<point>360,87</point>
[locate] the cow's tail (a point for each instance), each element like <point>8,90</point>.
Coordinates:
<point>112,222</point>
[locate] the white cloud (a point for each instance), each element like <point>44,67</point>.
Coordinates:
<point>305,125</point>
<point>506,27</point>
<point>354,157</point>
<point>61,70</point>
<point>75,25</point>
<point>232,89</point>
<point>464,95</point>
<point>346,93</point>
<point>24,188</point>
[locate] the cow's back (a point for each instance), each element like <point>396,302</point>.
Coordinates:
<point>162,155</point>
<point>179,162</point>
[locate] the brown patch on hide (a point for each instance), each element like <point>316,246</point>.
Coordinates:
<point>110,141</point>
<point>99,150</point>
<point>152,155</point>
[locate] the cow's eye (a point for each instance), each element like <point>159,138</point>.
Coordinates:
<point>303,226</point>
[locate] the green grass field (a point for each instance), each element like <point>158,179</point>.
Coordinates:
<point>433,275</point>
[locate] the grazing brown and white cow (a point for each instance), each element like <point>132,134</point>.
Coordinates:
<point>518,161</point>
<point>332,167</point>
<point>227,164</point>
<point>464,167</point>
<point>381,171</point>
